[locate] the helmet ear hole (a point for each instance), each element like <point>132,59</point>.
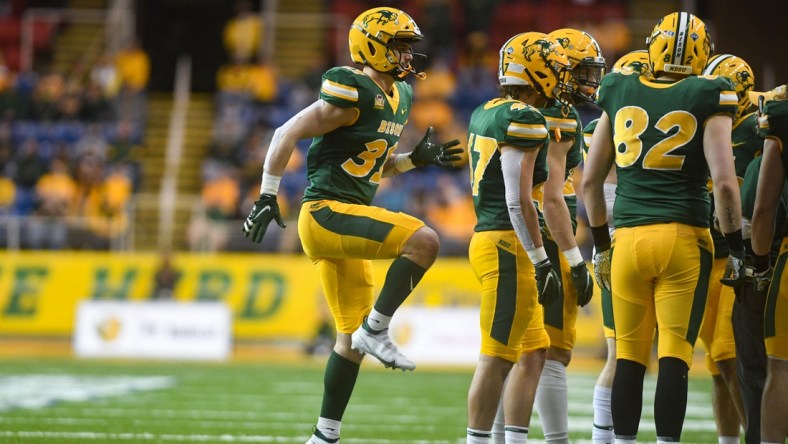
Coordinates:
<point>371,48</point>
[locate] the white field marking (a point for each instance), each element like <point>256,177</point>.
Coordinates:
<point>108,437</point>
<point>39,391</point>
<point>254,426</point>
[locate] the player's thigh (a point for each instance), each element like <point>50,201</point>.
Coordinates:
<point>605,299</point>
<point>535,337</point>
<point>632,280</point>
<point>508,300</point>
<point>681,288</point>
<point>348,289</point>
<point>776,312</point>
<point>560,317</point>
<point>331,229</point>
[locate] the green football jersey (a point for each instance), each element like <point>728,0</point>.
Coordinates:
<point>346,164</point>
<point>588,132</point>
<point>658,138</point>
<point>564,122</point>
<point>774,124</point>
<point>495,123</point>
<point>746,146</point>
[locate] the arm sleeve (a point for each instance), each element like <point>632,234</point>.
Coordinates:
<point>510,165</point>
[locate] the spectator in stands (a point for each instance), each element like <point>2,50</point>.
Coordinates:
<point>46,96</point>
<point>28,168</point>
<point>264,86</point>
<point>450,211</point>
<point>107,208</point>
<point>95,106</point>
<point>243,33</point>
<point>133,67</point>
<point>125,150</point>
<point>55,192</point>
<point>210,229</point>
<point>105,74</point>
<point>133,70</point>
<point>476,75</point>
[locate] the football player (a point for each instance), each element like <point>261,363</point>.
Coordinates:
<point>633,63</point>
<point>505,137</point>
<point>773,126</point>
<point>716,330</point>
<point>355,125</point>
<point>556,194</point>
<point>665,136</point>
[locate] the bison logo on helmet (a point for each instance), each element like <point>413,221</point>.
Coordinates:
<point>541,47</point>
<point>564,42</point>
<point>380,17</point>
<point>744,78</point>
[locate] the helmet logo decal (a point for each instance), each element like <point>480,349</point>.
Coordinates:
<point>744,78</point>
<point>564,42</point>
<point>541,47</point>
<point>381,17</point>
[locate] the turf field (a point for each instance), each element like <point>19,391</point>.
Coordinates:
<point>61,400</point>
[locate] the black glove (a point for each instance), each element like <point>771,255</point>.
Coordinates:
<point>601,263</point>
<point>761,273</point>
<point>428,153</point>
<point>735,272</point>
<point>584,285</point>
<point>548,283</point>
<point>264,210</point>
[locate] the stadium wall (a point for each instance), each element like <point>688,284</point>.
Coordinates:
<point>271,297</point>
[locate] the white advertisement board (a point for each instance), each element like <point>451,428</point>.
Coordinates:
<point>171,330</point>
<point>437,336</point>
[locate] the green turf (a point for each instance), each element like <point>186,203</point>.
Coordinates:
<point>273,403</point>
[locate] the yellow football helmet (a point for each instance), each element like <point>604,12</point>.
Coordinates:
<point>535,60</point>
<point>739,72</point>
<point>585,61</point>
<point>373,35</point>
<point>679,44</point>
<point>636,61</point>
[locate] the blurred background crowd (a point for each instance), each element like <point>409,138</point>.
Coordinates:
<point>86,99</point>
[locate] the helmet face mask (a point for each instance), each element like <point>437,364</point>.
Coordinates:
<point>737,71</point>
<point>585,61</point>
<point>533,59</point>
<point>679,44</point>
<point>376,40</point>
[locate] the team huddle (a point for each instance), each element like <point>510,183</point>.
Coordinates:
<point>684,186</point>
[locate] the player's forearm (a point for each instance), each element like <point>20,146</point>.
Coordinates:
<point>558,220</point>
<point>727,202</point>
<point>762,230</point>
<point>279,152</point>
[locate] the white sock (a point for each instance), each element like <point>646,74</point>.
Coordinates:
<point>329,427</point>
<point>516,435</point>
<point>728,440</point>
<point>551,402</point>
<point>478,436</point>
<point>378,321</point>
<point>498,434</point>
<point>665,440</point>
<point>625,441</point>
<point>602,432</point>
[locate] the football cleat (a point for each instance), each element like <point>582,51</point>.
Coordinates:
<point>318,438</point>
<point>380,346</point>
